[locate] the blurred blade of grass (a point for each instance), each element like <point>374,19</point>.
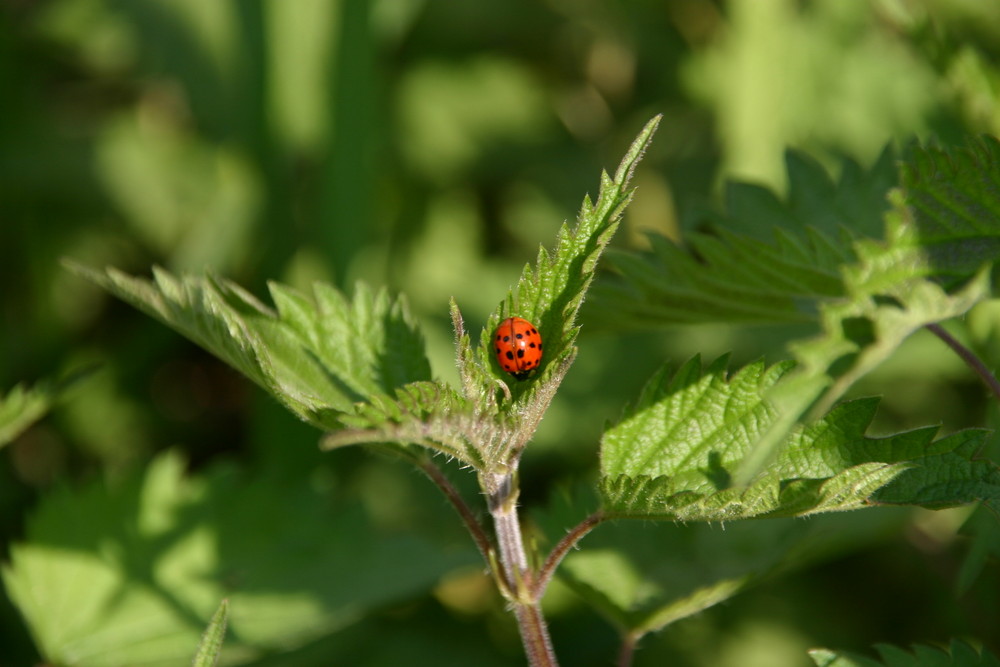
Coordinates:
<point>351,170</point>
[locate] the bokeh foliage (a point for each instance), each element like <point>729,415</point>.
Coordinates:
<point>431,147</point>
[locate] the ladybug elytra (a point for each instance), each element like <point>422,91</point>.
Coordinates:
<point>518,346</point>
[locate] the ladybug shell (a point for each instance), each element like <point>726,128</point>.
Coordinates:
<point>518,346</point>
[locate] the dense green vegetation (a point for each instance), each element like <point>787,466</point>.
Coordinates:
<point>293,167</point>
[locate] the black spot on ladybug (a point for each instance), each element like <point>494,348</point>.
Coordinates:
<point>510,355</point>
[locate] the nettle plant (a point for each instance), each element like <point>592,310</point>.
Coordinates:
<point>700,444</point>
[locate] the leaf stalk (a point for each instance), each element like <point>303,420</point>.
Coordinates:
<point>969,357</point>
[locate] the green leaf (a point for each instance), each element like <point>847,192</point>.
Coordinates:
<point>549,295</point>
<point>984,530</point>
<point>858,334</point>
<point>675,455</point>
<point>126,575</point>
<point>820,244</point>
<point>210,648</point>
<point>952,198</point>
<point>357,366</point>
<point>645,577</point>
<point>940,235</point>
<point>958,654</point>
<point>21,407</point>
<point>429,414</point>
<point>764,261</point>
<point>317,355</point>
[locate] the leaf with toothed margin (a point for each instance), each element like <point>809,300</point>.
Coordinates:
<point>958,654</point>
<point>318,356</point>
<point>550,293</point>
<point>23,406</point>
<point>210,647</point>
<point>764,260</point>
<point>675,453</point>
<point>427,414</point>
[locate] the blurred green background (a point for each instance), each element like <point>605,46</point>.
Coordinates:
<point>432,146</point>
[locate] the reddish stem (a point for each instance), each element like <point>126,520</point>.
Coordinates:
<point>458,502</point>
<point>969,357</point>
<point>559,552</point>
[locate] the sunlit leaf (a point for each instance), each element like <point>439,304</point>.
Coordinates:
<point>210,648</point>
<point>317,355</point>
<point>675,455</point>
<point>23,406</point>
<point>126,575</point>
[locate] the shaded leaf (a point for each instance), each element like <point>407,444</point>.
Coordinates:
<point>646,577</point>
<point>958,654</point>
<point>765,260</point>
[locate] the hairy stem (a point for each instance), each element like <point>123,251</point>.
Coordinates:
<point>535,635</point>
<point>559,552</point>
<point>501,493</point>
<point>969,357</point>
<point>472,523</point>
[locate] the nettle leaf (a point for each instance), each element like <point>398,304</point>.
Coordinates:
<point>23,406</point>
<point>645,577</point>
<point>20,408</point>
<point>676,453</point>
<point>769,260</point>
<point>210,647</point>
<point>429,414</point>
<point>958,654</point>
<point>129,574</point>
<point>952,198</point>
<point>858,335</point>
<point>764,261</point>
<point>912,279</point>
<point>550,293</point>
<point>320,355</point>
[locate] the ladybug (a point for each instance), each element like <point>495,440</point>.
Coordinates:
<point>518,346</point>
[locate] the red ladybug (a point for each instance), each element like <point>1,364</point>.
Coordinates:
<point>518,346</point>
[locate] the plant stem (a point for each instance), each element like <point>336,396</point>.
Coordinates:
<point>628,650</point>
<point>535,635</point>
<point>501,492</point>
<point>473,525</point>
<point>559,552</point>
<point>969,357</point>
